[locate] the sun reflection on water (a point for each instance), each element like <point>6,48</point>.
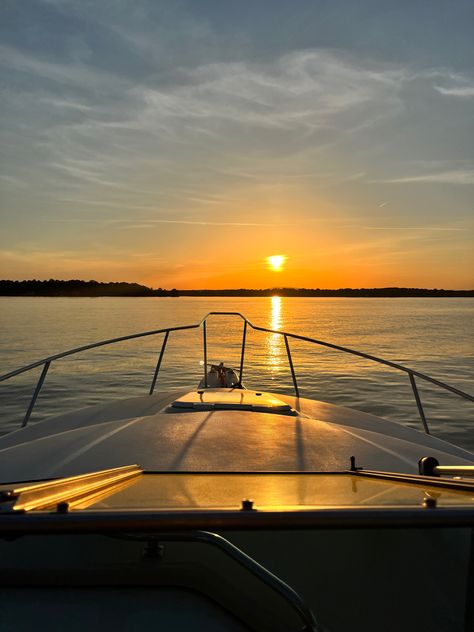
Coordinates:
<point>275,315</point>
<point>274,341</point>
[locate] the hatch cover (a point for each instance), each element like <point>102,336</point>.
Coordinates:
<point>232,399</point>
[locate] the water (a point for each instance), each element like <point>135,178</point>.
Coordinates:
<point>433,336</point>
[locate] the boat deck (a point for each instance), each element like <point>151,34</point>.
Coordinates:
<point>213,433</point>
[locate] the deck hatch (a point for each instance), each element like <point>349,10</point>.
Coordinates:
<point>272,492</point>
<point>130,490</point>
<point>168,502</point>
<point>231,399</point>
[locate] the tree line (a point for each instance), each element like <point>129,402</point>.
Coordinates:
<point>76,287</point>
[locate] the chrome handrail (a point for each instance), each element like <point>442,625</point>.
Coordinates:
<point>272,581</point>
<point>46,362</point>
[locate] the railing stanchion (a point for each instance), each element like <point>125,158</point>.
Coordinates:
<point>158,364</point>
<point>295,384</point>
<point>35,394</point>
<point>242,353</point>
<point>418,403</point>
<point>204,341</point>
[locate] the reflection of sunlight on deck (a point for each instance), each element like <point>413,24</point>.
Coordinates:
<point>274,341</point>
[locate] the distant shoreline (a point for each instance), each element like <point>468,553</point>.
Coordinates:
<point>77,288</point>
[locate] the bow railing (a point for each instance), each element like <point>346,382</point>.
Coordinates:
<point>412,374</point>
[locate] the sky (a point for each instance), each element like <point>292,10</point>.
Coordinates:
<point>181,143</point>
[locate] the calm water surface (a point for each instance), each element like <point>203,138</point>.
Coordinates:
<point>434,336</point>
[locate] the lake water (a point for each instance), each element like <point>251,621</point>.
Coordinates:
<point>434,336</point>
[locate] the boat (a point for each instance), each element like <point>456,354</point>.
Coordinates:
<point>226,508</point>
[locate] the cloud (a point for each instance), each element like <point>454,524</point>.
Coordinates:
<point>63,103</point>
<point>424,228</point>
<point>460,85</point>
<point>83,173</point>
<point>150,222</point>
<point>455,176</point>
<point>144,222</point>
<point>84,132</point>
<point>461,91</point>
<point>141,222</point>
<point>71,74</point>
<point>448,82</point>
<point>302,91</point>
<point>13,181</point>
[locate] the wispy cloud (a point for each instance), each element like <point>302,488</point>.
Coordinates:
<point>97,131</point>
<point>303,90</point>
<point>124,224</point>
<point>454,84</point>
<point>459,91</point>
<point>423,228</point>
<point>455,176</point>
<point>81,173</point>
<point>13,181</point>
<point>79,202</point>
<point>73,74</point>
<point>197,223</point>
<point>68,104</point>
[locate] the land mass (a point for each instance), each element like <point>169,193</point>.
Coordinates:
<point>75,287</point>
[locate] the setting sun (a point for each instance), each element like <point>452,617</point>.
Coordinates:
<point>276,262</point>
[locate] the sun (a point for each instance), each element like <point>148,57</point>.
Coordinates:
<point>276,262</point>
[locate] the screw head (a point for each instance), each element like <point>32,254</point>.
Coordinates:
<point>429,502</point>
<point>5,495</point>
